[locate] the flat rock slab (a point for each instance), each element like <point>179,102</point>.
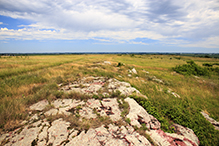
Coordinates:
<point>114,135</point>
<point>51,112</point>
<point>94,85</point>
<point>26,137</point>
<point>39,106</point>
<point>58,132</point>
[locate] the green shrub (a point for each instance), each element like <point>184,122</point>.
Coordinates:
<point>120,64</point>
<point>207,64</point>
<point>191,68</point>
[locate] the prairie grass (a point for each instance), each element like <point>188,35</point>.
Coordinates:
<point>26,80</point>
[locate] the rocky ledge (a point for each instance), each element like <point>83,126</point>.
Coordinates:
<point>49,122</point>
<point>100,85</point>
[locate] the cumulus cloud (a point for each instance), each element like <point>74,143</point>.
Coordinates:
<point>167,21</point>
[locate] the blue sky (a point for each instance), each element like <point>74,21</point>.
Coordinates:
<point>28,26</point>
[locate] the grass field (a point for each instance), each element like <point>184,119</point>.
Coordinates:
<point>27,79</point>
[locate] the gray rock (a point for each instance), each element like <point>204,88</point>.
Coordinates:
<point>64,111</point>
<point>175,94</point>
<point>34,118</point>
<point>78,140</point>
<point>24,122</point>
<point>123,87</point>
<point>42,137</point>
<point>184,136</point>
<point>51,112</point>
<point>138,113</point>
<point>25,138</point>
<point>2,137</point>
<point>134,71</point>
<point>145,71</point>
<point>111,136</point>
<point>87,113</point>
<point>187,133</point>
<point>73,134</point>
<point>112,108</point>
<point>107,62</point>
<point>39,106</point>
<point>211,120</point>
<point>58,132</point>
<point>92,103</point>
<point>61,103</point>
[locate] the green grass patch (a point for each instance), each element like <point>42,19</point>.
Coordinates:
<point>191,68</point>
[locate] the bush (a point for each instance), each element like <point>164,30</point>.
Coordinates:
<point>191,68</point>
<point>207,64</point>
<point>120,64</point>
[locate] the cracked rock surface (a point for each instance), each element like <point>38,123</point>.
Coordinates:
<point>40,130</point>
<point>105,86</point>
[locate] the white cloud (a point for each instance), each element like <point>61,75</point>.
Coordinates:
<point>115,20</point>
<point>212,42</point>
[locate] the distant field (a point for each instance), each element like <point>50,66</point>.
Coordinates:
<point>28,79</point>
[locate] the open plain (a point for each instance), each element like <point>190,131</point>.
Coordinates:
<point>90,92</point>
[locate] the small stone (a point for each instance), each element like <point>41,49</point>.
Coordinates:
<point>134,71</point>
<point>107,62</point>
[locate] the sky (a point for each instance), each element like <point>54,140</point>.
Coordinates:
<point>38,26</point>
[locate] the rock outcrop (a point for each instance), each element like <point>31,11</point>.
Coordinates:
<point>45,127</point>
<point>100,85</point>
